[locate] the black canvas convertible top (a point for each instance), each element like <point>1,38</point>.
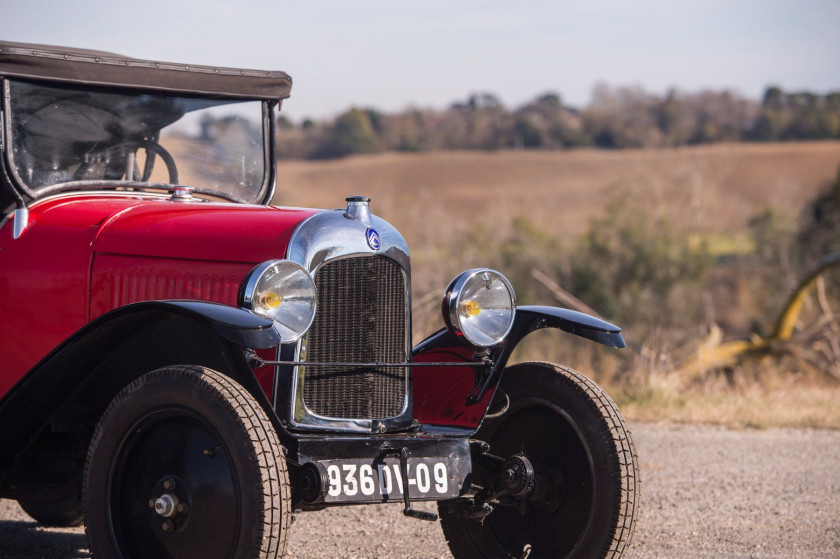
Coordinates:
<point>90,67</point>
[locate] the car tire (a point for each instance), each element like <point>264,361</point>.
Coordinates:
<point>65,513</point>
<point>574,435</point>
<point>185,463</point>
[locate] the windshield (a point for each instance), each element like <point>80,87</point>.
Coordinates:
<point>63,136</point>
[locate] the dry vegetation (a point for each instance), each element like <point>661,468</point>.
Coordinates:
<point>738,202</point>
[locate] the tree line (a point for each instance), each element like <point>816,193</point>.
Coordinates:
<point>616,118</point>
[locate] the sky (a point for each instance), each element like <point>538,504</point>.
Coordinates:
<point>392,54</point>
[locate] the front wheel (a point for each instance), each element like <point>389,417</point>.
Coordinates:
<point>185,463</point>
<point>587,476</point>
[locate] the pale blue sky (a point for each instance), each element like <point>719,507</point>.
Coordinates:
<point>391,54</point>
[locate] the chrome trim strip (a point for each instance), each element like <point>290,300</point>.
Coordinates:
<point>21,220</point>
<point>322,238</point>
<point>383,365</point>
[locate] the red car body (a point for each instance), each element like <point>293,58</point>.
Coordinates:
<point>183,366</point>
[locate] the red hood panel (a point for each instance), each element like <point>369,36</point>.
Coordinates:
<point>201,231</point>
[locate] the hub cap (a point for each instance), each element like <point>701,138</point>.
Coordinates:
<point>182,501</point>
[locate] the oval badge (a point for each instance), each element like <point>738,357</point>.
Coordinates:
<point>372,238</point>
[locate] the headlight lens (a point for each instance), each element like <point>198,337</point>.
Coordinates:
<point>480,304</point>
<point>283,291</point>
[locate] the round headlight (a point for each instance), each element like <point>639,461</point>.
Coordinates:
<point>480,304</point>
<point>283,291</point>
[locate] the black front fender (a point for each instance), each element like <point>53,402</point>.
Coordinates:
<point>240,326</point>
<point>527,320</point>
<point>450,395</point>
<point>84,373</point>
<point>532,318</point>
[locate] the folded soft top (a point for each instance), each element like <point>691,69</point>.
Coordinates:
<point>90,67</point>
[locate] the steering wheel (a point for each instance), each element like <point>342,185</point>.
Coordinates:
<point>152,149</point>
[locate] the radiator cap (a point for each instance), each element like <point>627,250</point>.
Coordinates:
<point>358,208</point>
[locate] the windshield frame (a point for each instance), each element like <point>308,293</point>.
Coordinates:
<point>19,187</point>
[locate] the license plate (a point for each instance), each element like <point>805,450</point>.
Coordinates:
<point>366,480</point>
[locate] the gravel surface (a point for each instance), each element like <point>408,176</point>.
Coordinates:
<point>707,492</point>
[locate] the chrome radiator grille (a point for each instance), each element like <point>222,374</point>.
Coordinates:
<point>361,318</point>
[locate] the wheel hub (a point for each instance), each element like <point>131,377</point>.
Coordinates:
<point>518,476</point>
<point>171,503</point>
<point>165,505</point>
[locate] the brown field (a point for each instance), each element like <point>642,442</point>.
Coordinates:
<point>706,188</point>
<point>435,199</point>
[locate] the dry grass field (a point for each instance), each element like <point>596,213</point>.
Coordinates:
<point>432,196</point>
<point>438,199</point>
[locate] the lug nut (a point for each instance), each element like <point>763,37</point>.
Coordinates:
<point>169,484</point>
<point>151,503</point>
<point>182,508</point>
<point>166,526</point>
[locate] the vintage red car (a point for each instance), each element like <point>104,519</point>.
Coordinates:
<point>184,365</point>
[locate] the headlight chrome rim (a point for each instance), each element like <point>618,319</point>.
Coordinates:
<point>249,297</point>
<point>452,300</point>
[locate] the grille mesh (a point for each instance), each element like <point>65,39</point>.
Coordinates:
<point>360,319</point>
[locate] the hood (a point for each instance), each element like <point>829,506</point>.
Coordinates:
<point>201,231</point>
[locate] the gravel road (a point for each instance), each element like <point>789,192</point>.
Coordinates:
<point>707,492</point>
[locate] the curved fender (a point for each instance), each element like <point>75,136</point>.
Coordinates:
<point>459,396</point>
<point>532,318</point>
<point>44,389</point>
<point>237,325</point>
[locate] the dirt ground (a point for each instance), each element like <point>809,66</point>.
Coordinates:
<point>707,492</point>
